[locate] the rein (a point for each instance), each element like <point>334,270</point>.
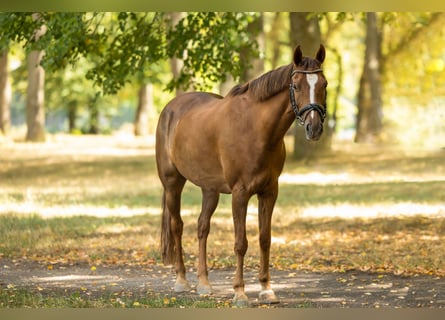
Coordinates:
<point>312,106</point>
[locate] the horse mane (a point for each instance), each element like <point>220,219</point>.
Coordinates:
<point>266,85</point>
<point>272,82</point>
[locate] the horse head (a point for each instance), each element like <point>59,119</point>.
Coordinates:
<point>308,92</point>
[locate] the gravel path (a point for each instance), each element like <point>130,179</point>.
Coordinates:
<point>293,288</point>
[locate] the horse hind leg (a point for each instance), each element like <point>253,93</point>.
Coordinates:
<point>173,183</point>
<point>209,202</point>
<point>172,228</point>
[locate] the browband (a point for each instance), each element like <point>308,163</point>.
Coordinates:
<point>306,71</point>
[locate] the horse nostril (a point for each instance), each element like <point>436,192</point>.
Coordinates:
<point>308,128</point>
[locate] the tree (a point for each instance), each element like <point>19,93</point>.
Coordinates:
<point>122,45</point>
<point>5,94</point>
<point>210,45</point>
<point>274,38</point>
<point>35,108</point>
<point>305,31</point>
<point>94,115</point>
<point>383,66</point>
<point>369,117</point>
<point>176,63</point>
<point>256,29</point>
<point>145,105</point>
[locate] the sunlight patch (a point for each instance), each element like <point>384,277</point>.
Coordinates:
<point>320,178</point>
<point>346,211</point>
<point>75,210</point>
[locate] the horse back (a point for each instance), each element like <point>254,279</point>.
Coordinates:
<point>179,106</point>
<point>189,101</point>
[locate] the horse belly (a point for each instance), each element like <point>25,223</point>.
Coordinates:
<point>197,159</point>
<point>202,171</point>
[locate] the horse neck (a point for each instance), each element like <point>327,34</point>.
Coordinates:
<point>276,117</point>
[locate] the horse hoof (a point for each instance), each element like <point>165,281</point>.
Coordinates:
<point>182,287</point>
<point>268,296</point>
<point>240,301</point>
<point>204,289</point>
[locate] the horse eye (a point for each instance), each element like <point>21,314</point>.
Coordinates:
<point>297,87</point>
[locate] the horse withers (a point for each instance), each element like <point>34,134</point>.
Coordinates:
<point>234,145</point>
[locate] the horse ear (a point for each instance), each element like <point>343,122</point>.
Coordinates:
<point>298,56</point>
<point>321,54</point>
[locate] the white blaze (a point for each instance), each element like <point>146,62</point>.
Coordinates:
<point>312,79</point>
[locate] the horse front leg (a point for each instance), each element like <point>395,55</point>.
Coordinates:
<point>266,203</point>
<point>239,212</point>
<point>209,202</point>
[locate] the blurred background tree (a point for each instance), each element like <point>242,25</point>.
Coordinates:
<point>305,31</point>
<point>120,48</point>
<point>389,35</point>
<point>5,93</point>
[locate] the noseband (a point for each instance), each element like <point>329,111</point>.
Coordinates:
<point>312,106</point>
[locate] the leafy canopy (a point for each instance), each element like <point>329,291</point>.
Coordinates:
<point>128,46</point>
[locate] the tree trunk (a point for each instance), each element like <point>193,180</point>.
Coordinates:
<point>94,116</point>
<point>369,117</point>
<point>274,38</point>
<point>255,28</point>
<point>35,98</point>
<point>306,33</point>
<point>145,105</point>
<point>5,95</point>
<point>35,108</point>
<point>175,63</point>
<point>72,115</point>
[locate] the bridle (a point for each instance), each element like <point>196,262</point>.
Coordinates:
<point>311,106</point>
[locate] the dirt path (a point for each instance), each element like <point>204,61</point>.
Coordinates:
<point>294,289</point>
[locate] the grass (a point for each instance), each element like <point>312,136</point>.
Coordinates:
<point>96,200</point>
<point>19,298</point>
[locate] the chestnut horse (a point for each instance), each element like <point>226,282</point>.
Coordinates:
<point>234,145</point>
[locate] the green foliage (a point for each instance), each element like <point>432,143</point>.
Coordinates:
<point>131,46</point>
<point>124,47</point>
<point>210,45</point>
<point>17,27</point>
<point>64,41</point>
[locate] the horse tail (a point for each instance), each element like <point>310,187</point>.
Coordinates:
<point>167,240</point>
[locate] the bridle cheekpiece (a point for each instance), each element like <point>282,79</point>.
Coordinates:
<point>312,106</point>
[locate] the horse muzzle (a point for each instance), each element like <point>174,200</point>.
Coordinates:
<point>313,131</point>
